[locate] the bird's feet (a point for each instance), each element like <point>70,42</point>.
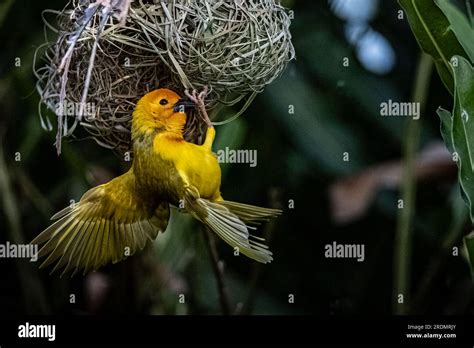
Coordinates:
<point>199,100</point>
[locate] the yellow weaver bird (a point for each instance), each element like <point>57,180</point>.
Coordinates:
<point>124,213</point>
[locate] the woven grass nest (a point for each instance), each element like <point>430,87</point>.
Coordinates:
<point>109,53</point>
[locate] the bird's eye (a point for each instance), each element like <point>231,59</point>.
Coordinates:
<point>163,102</point>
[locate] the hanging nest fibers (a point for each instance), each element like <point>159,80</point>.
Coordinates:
<point>109,53</point>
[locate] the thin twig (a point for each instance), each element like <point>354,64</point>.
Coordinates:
<point>248,305</point>
<point>100,28</point>
<point>64,70</point>
<point>217,267</point>
<point>403,237</point>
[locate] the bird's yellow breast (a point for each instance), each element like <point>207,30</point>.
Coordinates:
<point>196,164</point>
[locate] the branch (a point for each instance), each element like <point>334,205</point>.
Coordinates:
<point>258,268</point>
<point>217,267</point>
<point>403,237</point>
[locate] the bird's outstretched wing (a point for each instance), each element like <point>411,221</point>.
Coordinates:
<point>109,223</point>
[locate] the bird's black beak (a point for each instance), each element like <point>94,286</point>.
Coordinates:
<point>183,104</point>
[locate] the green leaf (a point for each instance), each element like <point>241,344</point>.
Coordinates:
<point>446,128</point>
<point>460,26</point>
<point>447,134</point>
<point>463,127</point>
<point>432,31</point>
<point>469,245</point>
<point>457,130</point>
<point>464,103</point>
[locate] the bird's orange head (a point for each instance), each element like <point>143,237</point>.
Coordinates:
<point>161,108</point>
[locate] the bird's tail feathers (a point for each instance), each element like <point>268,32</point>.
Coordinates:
<point>228,226</point>
<point>251,214</point>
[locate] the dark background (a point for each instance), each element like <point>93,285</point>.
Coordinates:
<point>300,158</point>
